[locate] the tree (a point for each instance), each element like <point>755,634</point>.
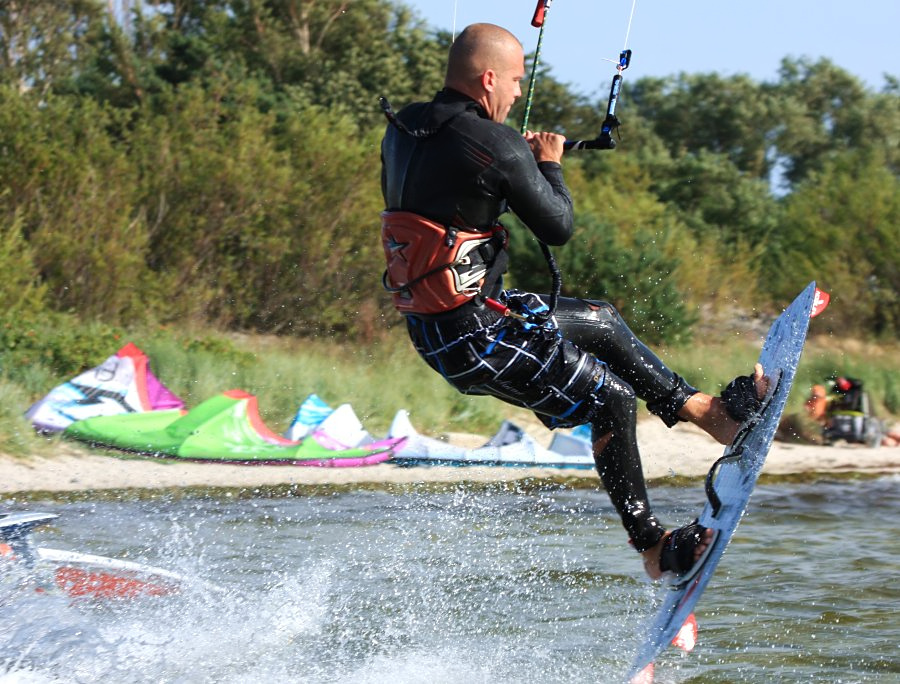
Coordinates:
<point>840,229</point>
<point>730,116</point>
<point>716,200</point>
<point>626,249</point>
<point>43,43</point>
<point>556,108</point>
<point>71,191</point>
<point>341,54</point>
<point>825,111</point>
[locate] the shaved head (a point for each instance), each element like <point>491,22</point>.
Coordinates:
<point>486,63</point>
<point>478,48</point>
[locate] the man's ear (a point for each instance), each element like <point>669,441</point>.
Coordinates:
<point>489,80</point>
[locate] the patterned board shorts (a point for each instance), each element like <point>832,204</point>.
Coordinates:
<point>524,364</point>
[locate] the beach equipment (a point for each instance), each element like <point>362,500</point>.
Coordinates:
<point>123,383</point>
<point>344,429</point>
<point>576,442</point>
<point>313,410</point>
<point>341,424</point>
<point>75,574</point>
<point>226,428</point>
<point>510,446</point>
<point>849,415</point>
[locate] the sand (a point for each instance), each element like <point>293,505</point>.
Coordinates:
<point>684,452</point>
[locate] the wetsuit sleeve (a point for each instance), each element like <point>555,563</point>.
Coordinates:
<point>538,194</point>
<point>383,180</point>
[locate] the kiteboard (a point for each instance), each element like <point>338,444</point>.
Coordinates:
<point>732,478</point>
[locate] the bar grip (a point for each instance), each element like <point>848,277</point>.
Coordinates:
<point>538,19</point>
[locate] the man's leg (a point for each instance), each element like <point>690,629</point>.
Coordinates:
<point>618,463</point>
<point>709,413</point>
<point>596,327</point>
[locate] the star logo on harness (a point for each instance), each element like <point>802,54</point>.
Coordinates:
<point>396,248</point>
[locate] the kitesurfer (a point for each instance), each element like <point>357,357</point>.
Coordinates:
<point>450,169</point>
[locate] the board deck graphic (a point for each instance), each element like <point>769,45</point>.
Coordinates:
<point>730,486</point>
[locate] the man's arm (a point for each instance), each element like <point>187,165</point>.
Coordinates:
<point>535,189</point>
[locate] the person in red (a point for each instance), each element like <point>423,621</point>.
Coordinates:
<point>450,169</point>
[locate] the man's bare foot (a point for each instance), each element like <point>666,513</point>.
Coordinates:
<point>709,414</point>
<point>651,556</point>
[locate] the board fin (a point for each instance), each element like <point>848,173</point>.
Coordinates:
<point>645,676</point>
<point>686,640</point>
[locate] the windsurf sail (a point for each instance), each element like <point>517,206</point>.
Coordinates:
<point>123,383</point>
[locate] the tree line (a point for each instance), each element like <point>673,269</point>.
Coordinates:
<point>217,161</point>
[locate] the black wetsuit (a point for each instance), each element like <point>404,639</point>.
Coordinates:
<point>456,166</point>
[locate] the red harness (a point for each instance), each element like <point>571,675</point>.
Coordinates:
<point>432,268</point>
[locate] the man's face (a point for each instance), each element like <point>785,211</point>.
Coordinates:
<point>506,83</point>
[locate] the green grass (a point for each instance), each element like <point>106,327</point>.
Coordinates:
<point>16,434</point>
<point>380,378</point>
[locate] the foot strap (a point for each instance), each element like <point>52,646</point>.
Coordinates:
<point>677,555</point>
<point>740,398</point>
<point>735,450</point>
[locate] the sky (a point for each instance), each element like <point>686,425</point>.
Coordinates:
<point>700,36</point>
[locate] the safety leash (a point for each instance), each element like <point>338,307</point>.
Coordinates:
<point>611,123</point>
<point>605,141</point>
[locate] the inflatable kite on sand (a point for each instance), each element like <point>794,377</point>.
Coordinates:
<point>338,426</point>
<point>122,405</point>
<point>226,428</point>
<point>122,384</point>
<point>510,446</point>
<point>576,442</point>
<point>311,414</point>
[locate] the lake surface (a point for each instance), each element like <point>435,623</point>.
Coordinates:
<point>463,585</point>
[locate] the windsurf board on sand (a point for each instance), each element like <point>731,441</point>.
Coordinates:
<point>73,573</point>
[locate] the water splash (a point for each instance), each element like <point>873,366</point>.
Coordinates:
<point>475,586</point>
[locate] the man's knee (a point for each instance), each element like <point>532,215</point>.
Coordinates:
<point>601,312</point>
<point>619,392</point>
<point>619,408</point>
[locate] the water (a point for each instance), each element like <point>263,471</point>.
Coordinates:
<point>487,585</point>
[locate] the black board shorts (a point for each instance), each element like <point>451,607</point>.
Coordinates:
<point>533,366</point>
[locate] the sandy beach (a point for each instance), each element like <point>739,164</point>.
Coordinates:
<point>683,452</point>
